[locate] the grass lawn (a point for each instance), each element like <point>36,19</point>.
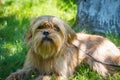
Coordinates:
<point>15,17</point>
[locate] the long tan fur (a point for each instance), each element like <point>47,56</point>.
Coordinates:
<point>56,51</point>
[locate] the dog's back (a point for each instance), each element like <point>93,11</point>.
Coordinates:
<point>100,49</point>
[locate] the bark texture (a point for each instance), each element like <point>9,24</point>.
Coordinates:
<point>101,16</point>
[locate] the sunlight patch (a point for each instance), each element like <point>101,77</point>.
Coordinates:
<point>12,49</point>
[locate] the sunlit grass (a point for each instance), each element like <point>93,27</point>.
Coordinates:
<point>11,48</point>
<point>32,8</point>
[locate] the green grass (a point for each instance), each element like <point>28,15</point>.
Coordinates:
<point>15,17</point>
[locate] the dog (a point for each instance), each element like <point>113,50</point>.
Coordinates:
<point>56,51</point>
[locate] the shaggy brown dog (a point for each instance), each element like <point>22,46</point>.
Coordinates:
<point>56,51</point>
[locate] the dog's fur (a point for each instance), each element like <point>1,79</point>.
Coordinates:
<point>56,51</point>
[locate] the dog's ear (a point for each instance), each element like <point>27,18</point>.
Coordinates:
<point>70,34</point>
<point>28,37</point>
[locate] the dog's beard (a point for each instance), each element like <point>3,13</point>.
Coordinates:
<point>47,47</point>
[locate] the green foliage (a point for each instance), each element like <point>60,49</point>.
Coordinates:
<point>66,10</point>
<point>15,17</point>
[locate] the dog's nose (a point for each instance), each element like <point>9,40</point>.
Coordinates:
<point>46,33</point>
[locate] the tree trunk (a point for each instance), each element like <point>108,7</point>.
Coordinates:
<point>102,16</point>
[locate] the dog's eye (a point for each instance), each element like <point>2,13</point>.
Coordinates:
<point>40,27</point>
<point>56,28</point>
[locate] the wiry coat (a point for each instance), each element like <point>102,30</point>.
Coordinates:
<point>56,51</point>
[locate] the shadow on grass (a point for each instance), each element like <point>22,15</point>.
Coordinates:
<point>12,46</point>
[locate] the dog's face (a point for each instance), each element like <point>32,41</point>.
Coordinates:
<point>48,34</point>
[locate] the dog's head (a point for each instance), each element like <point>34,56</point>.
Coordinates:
<point>48,34</point>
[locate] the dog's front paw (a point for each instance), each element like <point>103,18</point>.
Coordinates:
<point>43,78</point>
<point>20,75</point>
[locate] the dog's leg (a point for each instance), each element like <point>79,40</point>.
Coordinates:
<point>40,77</point>
<point>20,74</point>
<point>100,68</point>
<point>47,77</point>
